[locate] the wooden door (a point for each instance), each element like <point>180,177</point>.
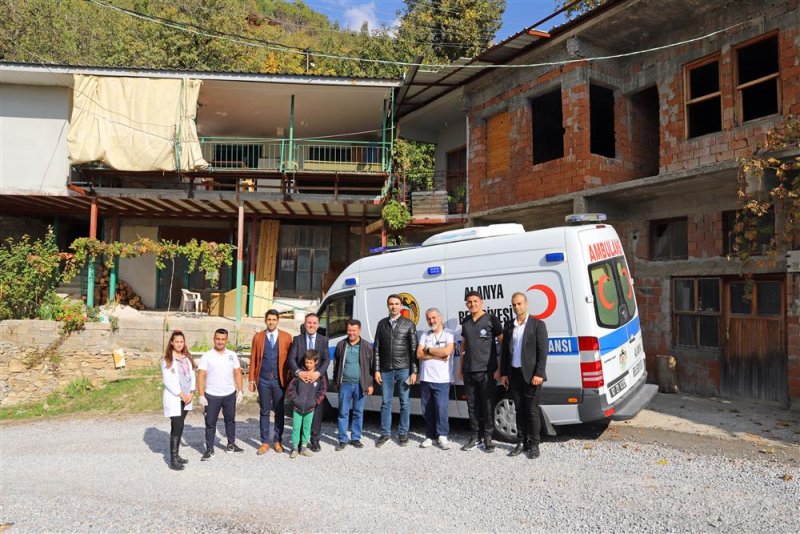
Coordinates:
<point>754,360</point>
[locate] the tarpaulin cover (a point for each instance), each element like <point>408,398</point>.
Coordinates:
<point>135,124</point>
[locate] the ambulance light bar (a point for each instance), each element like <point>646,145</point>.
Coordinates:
<point>579,218</point>
<point>476,232</point>
<point>350,282</point>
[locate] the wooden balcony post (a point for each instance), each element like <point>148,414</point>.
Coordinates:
<point>112,281</point>
<point>90,273</point>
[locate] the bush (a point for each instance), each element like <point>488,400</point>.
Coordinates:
<point>78,387</point>
<point>29,275</point>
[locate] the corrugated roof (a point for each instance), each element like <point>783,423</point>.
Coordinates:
<point>423,87</point>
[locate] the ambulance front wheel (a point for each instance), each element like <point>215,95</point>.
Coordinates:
<point>505,420</point>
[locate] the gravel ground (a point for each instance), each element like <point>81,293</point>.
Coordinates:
<point>110,475</point>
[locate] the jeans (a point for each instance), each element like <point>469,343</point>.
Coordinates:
<point>228,406</point>
<point>301,429</point>
<point>526,400</point>
<point>434,399</point>
<point>395,378</point>
<point>270,398</point>
<point>351,396</point>
<point>480,388</point>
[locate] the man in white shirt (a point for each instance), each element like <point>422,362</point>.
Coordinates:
<point>435,351</point>
<point>219,383</point>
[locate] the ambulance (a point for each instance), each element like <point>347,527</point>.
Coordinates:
<point>576,280</point>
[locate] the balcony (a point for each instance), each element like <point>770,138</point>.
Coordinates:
<point>226,154</point>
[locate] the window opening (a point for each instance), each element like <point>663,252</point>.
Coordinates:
<point>704,102</point>
<point>601,117</point>
<point>757,78</point>
<point>548,127</point>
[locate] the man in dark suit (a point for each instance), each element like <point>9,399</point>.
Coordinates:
<point>522,371</point>
<point>300,344</point>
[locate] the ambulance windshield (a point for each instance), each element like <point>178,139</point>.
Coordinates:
<point>614,302</point>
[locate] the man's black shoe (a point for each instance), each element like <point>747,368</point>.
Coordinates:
<point>232,447</point>
<point>314,447</point>
<point>207,456</point>
<point>488,445</point>
<point>381,441</point>
<point>516,451</point>
<point>533,453</point>
<point>403,439</point>
<point>471,444</point>
<point>340,446</point>
<point>357,444</point>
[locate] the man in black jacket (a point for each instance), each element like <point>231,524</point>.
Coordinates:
<point>311,340</point>
<point>395,352</point>
<point>352,375</point>
<point>522,367</point>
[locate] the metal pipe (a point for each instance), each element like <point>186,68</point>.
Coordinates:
<point>239,264</point>
<point>112,281</point>
<point>253,245</point>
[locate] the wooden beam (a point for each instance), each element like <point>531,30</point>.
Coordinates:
<point>252,208</point>
<point>326,209</point>
<point>269,208</point>
<point>374,227</point>
<point>288,208</point>
<point>305,207</point>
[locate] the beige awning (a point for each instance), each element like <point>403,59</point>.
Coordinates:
<point>135,124</point>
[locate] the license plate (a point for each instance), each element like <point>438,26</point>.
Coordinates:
<point>638,367</point>
<point>617,388</point>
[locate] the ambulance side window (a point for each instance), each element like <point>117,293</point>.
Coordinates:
<point>606,297</point>
<point>334,314</point>
<point>626,284</point>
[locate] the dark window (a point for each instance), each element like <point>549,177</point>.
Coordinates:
<point>601,116</point>
<point>764,232</point>
<point>696,312</point>
<point>334,314</point>
<point>237,155</point>
<point>704,102</point>
<point>645,124</point>
<point>761,298</point>
<point>757,78</point>
<point>669,240</point>
<point>548,127</point>
<point>330,153</point>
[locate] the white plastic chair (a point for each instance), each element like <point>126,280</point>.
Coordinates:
<point>190,297</point>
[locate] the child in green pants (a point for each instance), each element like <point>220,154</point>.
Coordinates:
<point>305,396</point>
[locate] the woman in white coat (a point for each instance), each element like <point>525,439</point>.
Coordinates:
<point>177,370</point>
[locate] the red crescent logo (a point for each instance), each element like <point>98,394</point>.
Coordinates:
<point>629,294</point>
<point>551,300</point>
<point>600,283</point>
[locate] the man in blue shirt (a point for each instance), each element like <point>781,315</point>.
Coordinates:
<point>353,378</point>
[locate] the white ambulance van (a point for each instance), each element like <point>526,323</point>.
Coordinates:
<point>577,281</point>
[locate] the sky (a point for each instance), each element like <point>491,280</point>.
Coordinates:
<point>351,14</point>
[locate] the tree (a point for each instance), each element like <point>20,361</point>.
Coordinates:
<point>442,31</point>
<point>580,8</point>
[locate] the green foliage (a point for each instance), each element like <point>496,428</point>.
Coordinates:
<point>442,31</point>
<point>78,387</point>
<point>580,8</point>
<point>29,273</point>
<point>415,161</point>
<point>200,346</point>
<point>240,35</point>
<point>205,256</point>
<point>396,215</point>
<point>781,193</point>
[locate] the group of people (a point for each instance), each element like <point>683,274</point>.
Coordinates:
<point>297,367</point>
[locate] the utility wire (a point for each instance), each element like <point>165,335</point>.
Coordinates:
<point>247,41</point>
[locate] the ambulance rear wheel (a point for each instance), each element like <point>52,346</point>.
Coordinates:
<point>505,420</point>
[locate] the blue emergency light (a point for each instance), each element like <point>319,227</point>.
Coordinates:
<point>554,256</point>
<point>434,270</point>
<point>350,281</point>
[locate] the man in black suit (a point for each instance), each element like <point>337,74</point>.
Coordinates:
<point>522,368</point>
<point>300,344</point>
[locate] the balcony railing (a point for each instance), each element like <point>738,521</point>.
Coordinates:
<point>302,155</point>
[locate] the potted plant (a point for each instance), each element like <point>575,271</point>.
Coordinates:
<point>457,198</point>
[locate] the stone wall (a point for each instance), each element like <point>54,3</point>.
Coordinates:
<point>84,354</point>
